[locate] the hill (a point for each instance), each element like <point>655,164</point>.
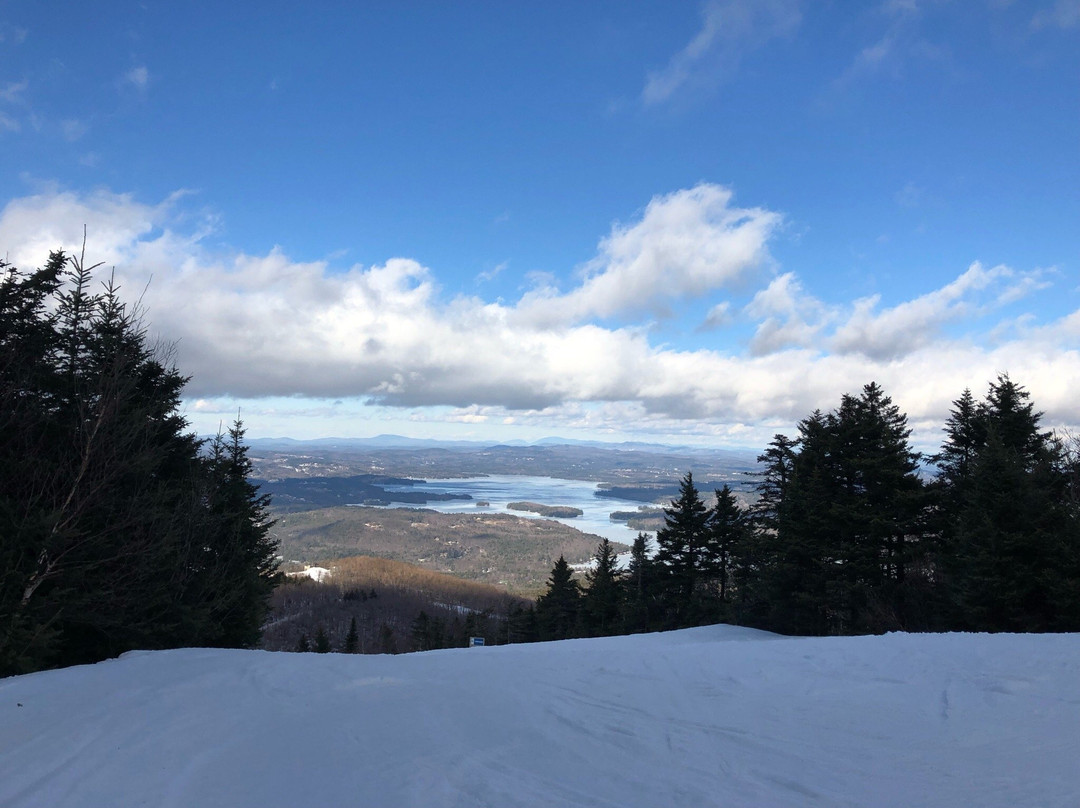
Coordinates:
<point>384,597</point>
<point>716,716</point>
<point>495,548</point>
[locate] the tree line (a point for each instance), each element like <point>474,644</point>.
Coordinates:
<point>118,528</point>
<point>850,534</point>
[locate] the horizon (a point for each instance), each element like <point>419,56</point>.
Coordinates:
<point>689,226</point>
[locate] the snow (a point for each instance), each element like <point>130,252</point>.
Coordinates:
<point>317,574</point>
<point>715,716</point>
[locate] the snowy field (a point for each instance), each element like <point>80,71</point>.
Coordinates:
<point>714,716</point>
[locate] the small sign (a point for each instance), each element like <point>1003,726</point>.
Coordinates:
<point>476,642</point>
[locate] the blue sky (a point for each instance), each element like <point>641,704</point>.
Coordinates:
<point>680,222</point>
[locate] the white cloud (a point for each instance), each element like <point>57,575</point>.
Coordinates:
<point>1063,14</point>
<point>12,33</point>
<point>73,129</point>
<point>255,327</point>
<point>903,328</point>
<point>13,90</point>
<point>491,274</point>
<point>729,30</point>
<point>789,316</point>
<point>138,77</point>
<point>719,316</point>
<point>686,244</point>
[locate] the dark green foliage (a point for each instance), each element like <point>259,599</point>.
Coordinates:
<point>116,532</point>
<point>728,533</point>
<point>638,588</point>
<point>303,645</point>
<point>387,640</point>
<point>522,625</point>
<point>1010,529</point>
<point>840,524</point>
<point>557,609</point>
<point>352,639</point>
<point>682,556</point>
<point>322,641</point>
<point>601,599</point>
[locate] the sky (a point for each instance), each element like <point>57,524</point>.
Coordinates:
<point>686,223</point>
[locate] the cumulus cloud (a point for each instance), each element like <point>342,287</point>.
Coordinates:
<point>903,328</point>
<point>686,244</point>
<point>719,316</point>
<point>259,326</point>
<point>729,30</point>
<point>789,317</point>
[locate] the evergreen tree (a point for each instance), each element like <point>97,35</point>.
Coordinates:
<point>638,587</point>
<point>1011,536</point>
<point>352,639</point>
<point>303,645</point>
<point>237,547</point>
<point>522,625</point>
<point>322,641</point>
<point>777,464</point>
<point>843,525</point>
<point>107,538</point>
<point>727,536</point>
<point>557,608</point>
<point>600,601</point>
<point>794,581</point>
<point>758,558</point>
<point>387,640</point>
<point>681,555</point>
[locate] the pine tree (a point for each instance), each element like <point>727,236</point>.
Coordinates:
<point>600,601</point>
<point>557,608</point>
<point>303,645</point>
<point>387,640</point>
<point>238,547</point>
<point>681,554</point>
<point>322,641</point>
<point>638,587</point>
<point>1011,536</point>
<point>107,539</point>
<point>727,536</point>
<point>352,639</point>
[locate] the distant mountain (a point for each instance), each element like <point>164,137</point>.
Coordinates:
<point>401,442</point>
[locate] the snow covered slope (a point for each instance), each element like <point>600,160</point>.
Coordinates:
<point>716,716</point>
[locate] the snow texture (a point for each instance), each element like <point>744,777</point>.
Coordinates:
<point>716,716</point>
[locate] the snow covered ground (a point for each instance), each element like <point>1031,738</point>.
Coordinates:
<point>715,716</point>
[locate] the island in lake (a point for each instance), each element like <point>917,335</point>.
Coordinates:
<point>553,511</point>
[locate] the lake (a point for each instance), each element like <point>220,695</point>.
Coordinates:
<point>498,490</point>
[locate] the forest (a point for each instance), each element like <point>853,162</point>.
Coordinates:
<point>850,535</point>
<point>118,528</point>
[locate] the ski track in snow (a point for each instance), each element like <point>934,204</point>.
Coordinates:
<point>715,716</point>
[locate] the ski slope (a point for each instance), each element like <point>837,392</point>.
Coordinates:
<point>716,716</point>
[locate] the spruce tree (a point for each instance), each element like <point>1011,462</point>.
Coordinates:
<point>107,538</point>
<point>727,536</point>
<point>352,639</point>
<point>600,601</point>
<point>637,586</point>
<point>557,609</point>
<point>680,554</point>
<point>1011,535</point>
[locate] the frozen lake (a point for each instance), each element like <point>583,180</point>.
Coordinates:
<point>498,490</point>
